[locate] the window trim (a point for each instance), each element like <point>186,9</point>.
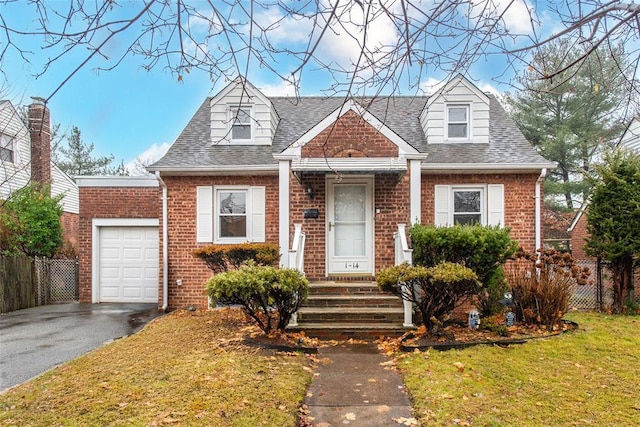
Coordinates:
<point>217,189</point>
<point>483,201</point>
<point>233,109</point>
<point>467,108</point>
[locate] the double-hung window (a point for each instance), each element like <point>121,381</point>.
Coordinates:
<point>231,214</point>
<point>458,122</point>
<point>469,204</point>
<point>241,127</point>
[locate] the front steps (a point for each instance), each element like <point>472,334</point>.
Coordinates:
<point>343,310</point>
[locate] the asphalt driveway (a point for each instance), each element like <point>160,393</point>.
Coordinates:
<point>37,339</point>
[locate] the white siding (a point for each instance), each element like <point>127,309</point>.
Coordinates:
<point>264,117</point>
<point>62,184</point>
<point>461,92</point>
<point>16,175</point>
<point>631,138</point>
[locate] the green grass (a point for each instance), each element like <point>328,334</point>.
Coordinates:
<point>586,378</point>
<point>183,369</point>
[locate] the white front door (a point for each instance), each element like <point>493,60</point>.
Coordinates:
<point>350,226</point>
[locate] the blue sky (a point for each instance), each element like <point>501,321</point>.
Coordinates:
<point>130,112</point>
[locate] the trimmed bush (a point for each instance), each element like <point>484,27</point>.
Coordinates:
<point>483,249</point>
<point>542,286</point>
<point>435,291</point>
<point>267,294</point>
<point>220,258</point>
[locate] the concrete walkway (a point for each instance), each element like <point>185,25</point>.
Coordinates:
<point>354,385</point>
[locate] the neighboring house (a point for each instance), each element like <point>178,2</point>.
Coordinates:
<point>347,175</point>
<point>25,156</point>
<point>578,229</point>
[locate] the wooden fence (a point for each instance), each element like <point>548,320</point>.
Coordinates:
<point>17,283</point>
<point>26,282</point>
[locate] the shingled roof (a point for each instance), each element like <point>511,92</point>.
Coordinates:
<point>194,151</point>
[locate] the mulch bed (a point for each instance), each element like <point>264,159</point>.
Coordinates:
<point>458,336</point>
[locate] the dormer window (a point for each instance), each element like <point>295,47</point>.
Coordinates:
<point>458,122</point>
<point>241,128</point>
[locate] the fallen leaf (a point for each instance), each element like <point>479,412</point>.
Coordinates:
<point>406,421</point>
<point>350,416</point>
<point>382,409</point>
<point>373,380</point>
<point>460,366</point>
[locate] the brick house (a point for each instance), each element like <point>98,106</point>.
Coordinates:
<point>25,156</point>
<point>333,183</point>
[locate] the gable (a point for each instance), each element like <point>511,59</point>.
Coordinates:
<point>14,136</point>
<point>631,137</point>
<point>350,136</point>
<point>462,96</point>
<point>242,115</point>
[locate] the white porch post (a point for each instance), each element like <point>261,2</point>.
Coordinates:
<point>415,197</point>
<point>283,220</point>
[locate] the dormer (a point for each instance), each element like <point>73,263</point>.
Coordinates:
<point>242,115</point>
<point>457,113</point>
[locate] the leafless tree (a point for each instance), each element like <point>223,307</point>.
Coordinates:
<point>356,46</point>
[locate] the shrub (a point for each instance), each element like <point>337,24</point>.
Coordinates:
<point>220,258</point>
<point>542,286</point>
<point>483,249</point>
<point>267,294</point>
<point>436,291</point>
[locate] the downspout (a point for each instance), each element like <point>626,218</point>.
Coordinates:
<point>538,220</point>
<point>165,245</point>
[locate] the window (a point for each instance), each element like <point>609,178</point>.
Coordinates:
<point>6,155</point>
<point>6,149</point>
<point>230,214</point>
<point>469,204</point>
<point>241,124</point>
<point>467,207</point>
<point>458,122</point>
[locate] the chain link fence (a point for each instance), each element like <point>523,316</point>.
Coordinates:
<point>597,294</point>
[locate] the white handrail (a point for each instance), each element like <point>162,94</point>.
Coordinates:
<point>404,254</point>
<point>296,259</point>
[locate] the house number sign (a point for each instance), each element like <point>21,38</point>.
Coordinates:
<point>351,265</point>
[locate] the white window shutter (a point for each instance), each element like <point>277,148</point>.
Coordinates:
<point>442,195</point>
<point>204,215</point>
<point>495,204</point>
<point>258,217</point>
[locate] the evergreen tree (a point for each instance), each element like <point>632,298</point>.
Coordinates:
<point>77,158</point>
<point>613,219</point>
<point>570,119</point>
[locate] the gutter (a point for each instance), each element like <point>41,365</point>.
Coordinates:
<point>165,245</point>
<point>538,215</point>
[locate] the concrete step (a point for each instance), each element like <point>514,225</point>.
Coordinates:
<point>351,314</point>
<point>358,300</point>
<point>343,288</point>
<point>343,331</point>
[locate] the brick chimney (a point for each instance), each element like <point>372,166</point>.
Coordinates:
<point>40,132</point>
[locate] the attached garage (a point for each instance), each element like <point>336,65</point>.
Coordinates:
<point>126,260</point>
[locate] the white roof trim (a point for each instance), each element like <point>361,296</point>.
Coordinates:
<point>486,166</point>
<point>350,164</point>
<point>116,181</point>
<point>577,217</point>
<point>453,82</point>
<point>403,147</point>
<point>241,169</point>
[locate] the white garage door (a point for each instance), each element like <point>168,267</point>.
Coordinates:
<point>128,270</point>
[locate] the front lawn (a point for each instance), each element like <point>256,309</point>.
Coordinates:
<point>589,377</point>
<point>183,369</point>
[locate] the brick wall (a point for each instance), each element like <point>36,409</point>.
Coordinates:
<point>350,136</point>
<point>70,228</point>
<point>109,202</point>
<point>40,134</point>
<point>519,191</point>
<point>183,265</point>
<point>578,236</point>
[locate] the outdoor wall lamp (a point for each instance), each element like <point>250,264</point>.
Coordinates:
<point>310,192</point>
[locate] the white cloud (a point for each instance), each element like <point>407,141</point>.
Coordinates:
<point>516,15</point>
<point>280,89</point>
<point>148,156</point>
<point>431,85</point>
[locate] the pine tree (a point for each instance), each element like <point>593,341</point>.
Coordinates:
<point>77,159</point>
